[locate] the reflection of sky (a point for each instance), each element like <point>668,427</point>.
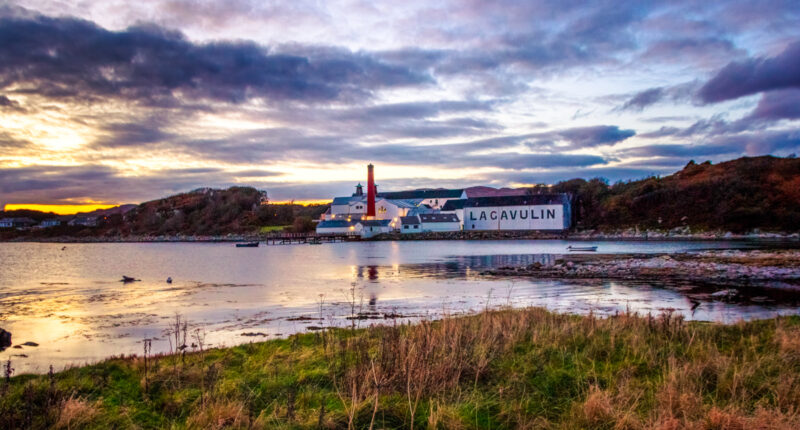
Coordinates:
<point>71,303</point>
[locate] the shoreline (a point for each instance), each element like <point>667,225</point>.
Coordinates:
<point>647,236</point>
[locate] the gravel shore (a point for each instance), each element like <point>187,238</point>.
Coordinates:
<point>772,269</point>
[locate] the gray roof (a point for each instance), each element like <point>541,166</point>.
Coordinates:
<point>452,205</point>
<point>346,200</point>
<point>375,222</point>
<point>409,220</point>
<point>431,218</point>
<point>440,193</point>
<point>335,223</point>
<point>406,204</point>
<point>535,199</point>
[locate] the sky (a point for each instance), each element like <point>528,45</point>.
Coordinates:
<point>113,101</point>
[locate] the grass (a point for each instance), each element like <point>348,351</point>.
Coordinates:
<point>272,228</point>
<point>500,369</point>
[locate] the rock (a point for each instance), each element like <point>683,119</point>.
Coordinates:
<point>723,293</point>
<point>5,339</point>
<point>30,344</point>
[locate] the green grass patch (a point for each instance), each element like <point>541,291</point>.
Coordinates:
<point>499,369</point>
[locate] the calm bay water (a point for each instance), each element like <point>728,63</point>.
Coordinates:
<point>71,303</point>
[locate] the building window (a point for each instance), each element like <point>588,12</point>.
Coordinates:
<point>382,210</point>
<point>405,227</point>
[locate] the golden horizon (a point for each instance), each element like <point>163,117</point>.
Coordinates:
<point>58,209</point>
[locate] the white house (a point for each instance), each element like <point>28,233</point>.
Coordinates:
<point>410,224</point>
<point>439,222</point>
<point>455,207</point>
<point>373,227</point>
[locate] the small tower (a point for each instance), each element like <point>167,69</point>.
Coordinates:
<point>359,190</point>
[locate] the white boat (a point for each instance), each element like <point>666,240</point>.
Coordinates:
<point>582,248</point>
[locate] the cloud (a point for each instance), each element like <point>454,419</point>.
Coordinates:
<point>578,137</point>
<point>777,105</point>
<point>644,99</point>
<point>67,57</point>
<point>68,184</point>
<point>754,75</point>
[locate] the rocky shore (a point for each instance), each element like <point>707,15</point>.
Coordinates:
<point>734,268</point>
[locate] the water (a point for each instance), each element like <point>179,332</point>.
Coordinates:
<point>71,302</point>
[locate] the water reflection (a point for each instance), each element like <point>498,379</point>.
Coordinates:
<point>72,305</point>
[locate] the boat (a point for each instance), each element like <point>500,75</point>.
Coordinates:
<point>127,279</point>
<point>582,248</point>
<point>247,245</point>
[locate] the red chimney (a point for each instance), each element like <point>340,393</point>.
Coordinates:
<point>370,191</point>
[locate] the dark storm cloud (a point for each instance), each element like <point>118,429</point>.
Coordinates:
<point>66,57</point>
<point>754,75</point>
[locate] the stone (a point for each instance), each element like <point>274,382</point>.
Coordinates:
<point>5,339</point>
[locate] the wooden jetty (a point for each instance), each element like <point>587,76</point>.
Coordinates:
<point>280,238</point>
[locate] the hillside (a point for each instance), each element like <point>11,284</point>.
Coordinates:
<point>203,211</point>
<point>738,195</point>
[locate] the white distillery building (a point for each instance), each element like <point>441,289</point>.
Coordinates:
<point>530,212</point>
<point>439,222</point>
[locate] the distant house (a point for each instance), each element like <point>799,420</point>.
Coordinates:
<point>410,224</point>
<point>16,222</point>
<point>85,221</point>
<point>440,222</point>
<point>49,223</point>
<point>373,227</point>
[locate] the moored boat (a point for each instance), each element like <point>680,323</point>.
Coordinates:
<point>247,245</point>
<point>582,248</point>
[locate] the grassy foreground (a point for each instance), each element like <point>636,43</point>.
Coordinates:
<point>499,369</point>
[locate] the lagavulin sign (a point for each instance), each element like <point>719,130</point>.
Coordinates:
<point>538,217</point>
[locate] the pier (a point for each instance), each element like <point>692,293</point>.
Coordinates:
<point>310,237</point>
